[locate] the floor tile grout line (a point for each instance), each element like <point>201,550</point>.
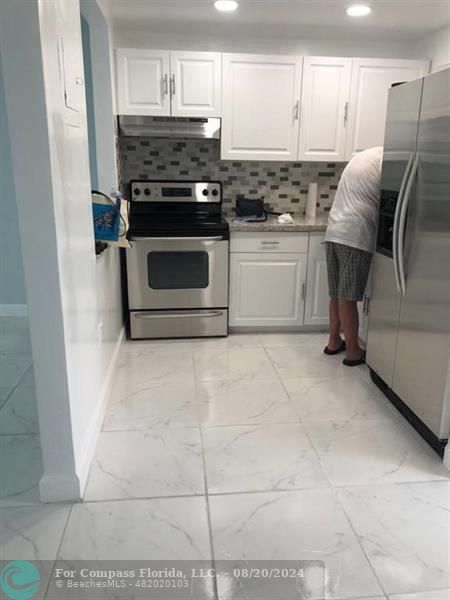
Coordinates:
<point>16,386</point>
<point>208,516</point>
<point>142,498</point>
<point>316,453</point>
<point>246,492</point>
<point>360,544</point>
<point>291,403</point>
<point>58,548</point>
<point>205,477</point>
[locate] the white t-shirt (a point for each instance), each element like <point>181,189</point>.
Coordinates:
<point>354,214</point>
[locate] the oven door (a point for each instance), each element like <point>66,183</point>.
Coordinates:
<point>177,272</point>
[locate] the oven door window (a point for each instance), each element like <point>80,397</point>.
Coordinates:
<point>178,270</point>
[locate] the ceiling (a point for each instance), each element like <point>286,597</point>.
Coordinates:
<point>390,19</point>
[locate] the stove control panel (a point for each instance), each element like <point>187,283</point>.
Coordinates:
<point>176,191</point>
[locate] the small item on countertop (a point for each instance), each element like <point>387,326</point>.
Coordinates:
<point>285,219</point>
<point>311,202</point>
<point>250,209</point>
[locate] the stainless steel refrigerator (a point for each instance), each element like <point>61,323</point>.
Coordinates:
<point>409,320</point>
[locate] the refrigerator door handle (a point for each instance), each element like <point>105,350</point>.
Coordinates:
<point>402,225</point>
<point>398,209</point>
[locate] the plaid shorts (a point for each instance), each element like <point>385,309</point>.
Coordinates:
<point>348,270</point>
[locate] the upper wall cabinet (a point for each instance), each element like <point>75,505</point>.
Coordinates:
<point>143,82</point>
<point>163,83</point>
<point>196,84</point>
<point>261,103</point>
<point>325,96</point>
<point>371,80</point>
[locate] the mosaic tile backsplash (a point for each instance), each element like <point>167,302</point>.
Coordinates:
<point>283,185</point>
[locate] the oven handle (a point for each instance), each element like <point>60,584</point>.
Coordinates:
<point>215,313</point>
<point>214,238</point>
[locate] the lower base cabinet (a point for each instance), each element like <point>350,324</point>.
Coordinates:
<point>278,280</point>
<point>267,289</point>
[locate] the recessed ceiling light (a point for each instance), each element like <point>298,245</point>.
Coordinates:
<point>226,5</point>
<point>358,10</point>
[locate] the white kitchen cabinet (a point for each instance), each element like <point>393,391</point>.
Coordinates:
<point>317,299</point>
<point>164,83</point>
<point>261,104</point>
<point>325,101</point>
<point>371,80</point>
<point>364,310</point>
<point>196,84</point>
<point>267,289</point>
<point>143,82</point>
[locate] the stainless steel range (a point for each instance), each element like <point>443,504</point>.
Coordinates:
<point>177,267</point>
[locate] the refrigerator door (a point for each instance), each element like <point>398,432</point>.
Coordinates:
<point>399,148</point>
<point>422,357</point>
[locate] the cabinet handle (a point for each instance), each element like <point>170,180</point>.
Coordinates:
<point>303,290</point>
<point>297,110</point>
<point>270,243</point>
<point>345,113</point>
<point>166,85</point>
<point>79,80</point>
<point>172,85</point>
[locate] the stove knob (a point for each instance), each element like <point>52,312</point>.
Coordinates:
<point>205,192</point>
<point>147,192</point>
<point>137,191</point>
<point>215,192</point>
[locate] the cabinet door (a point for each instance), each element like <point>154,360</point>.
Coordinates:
<point>363,309</point>
<point>267,290</point>
<point>317,299</point>
<point>371,80</point>
<point>261,101</point>
<point>143,82</point>
<point>196,84</point>
<point>325,97</point>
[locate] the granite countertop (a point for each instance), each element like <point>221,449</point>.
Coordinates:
<point>318,223</point>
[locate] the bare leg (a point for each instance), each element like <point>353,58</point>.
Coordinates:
<point>335,339</point>
<point>348,313</point>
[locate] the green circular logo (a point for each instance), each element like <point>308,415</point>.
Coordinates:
<point>20,580</point>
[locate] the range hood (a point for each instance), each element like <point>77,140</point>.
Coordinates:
<point>169,127</point>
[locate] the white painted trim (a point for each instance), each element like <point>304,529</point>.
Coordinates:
<point>13,310</point>
<point>59,488</point>
<point>97,421</point>
<point>447,457</point>
<point>440,68</point>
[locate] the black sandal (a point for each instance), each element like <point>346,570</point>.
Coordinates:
<point>329,352</point>
<point>354,363</point>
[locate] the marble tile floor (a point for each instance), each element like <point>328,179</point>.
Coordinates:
<point>20,452</point>
<point>255,447</point>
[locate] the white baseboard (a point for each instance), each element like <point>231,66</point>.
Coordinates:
<point>97,420</point>
<point>55,488</point>
<point>447,456</point>
<point>13,310</point>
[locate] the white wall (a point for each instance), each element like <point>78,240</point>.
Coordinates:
<point>436,47</point>
<point>108,264</point>
<point>55,216</point>
<point>30,150</point>
<point>324,46</point>
<point>12,289</point>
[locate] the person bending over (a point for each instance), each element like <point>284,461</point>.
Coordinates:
<point>350,242</point>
